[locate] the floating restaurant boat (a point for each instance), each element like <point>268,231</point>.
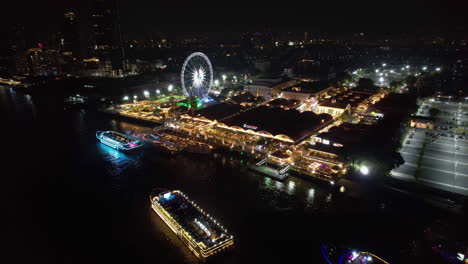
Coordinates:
<point>203,235</point>
<point>76,100</point>
<point>118,140</point>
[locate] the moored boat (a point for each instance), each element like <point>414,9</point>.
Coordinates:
<point>118,140</point>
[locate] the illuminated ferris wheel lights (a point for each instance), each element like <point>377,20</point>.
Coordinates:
<point>197,75</point>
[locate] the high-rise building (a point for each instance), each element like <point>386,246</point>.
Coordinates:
<point>106,39</point>
<point>18,41</point>
<point>17,46</point>
<point>69,40</point>
<point>39,62</point>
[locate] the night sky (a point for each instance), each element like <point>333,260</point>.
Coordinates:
<point>223,18</point>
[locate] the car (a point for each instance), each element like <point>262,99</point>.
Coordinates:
<point>451,136</point>
<point>411,136</point>
<point>460,137</point>
<point>407,142</point>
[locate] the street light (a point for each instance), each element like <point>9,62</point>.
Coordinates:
<point>158,91</point>
<point>170,87</point>
<point>146,93</point>
<point>384,64</point>
<point>438,69</point>
<point>424,68</point>
<point>364,170</point>
<point>224,77</point>
<point>216,82</point>
<point>125,98</point>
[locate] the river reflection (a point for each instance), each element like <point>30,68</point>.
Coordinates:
<point>266,217</point>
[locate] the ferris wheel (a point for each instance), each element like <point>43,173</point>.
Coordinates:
<point>197,75</point>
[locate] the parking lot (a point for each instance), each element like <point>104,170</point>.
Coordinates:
<point>437,157</point>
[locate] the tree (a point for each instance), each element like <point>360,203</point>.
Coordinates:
<point>433,112</point>
<point>411,81</point>
<point>346,116</point>
<point>366,84</point>
<point>394,85</point>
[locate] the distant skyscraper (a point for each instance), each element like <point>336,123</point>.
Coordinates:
<point>18,41</point>
<point>18,45</point>
<point>106,40</point>
<point>69,41</point>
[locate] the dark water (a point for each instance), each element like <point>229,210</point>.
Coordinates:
<point>70,199</point>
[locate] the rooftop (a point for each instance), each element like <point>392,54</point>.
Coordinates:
<point>351,97</point>
<point>285,103</point>
<point>245,97</point>
<point>266,81</point>
<point>198,225</point>
<point>394,102</point>
<point>308,87</point>
<point>219,111</point>
<point>346,134</point>
<point>278,121</point>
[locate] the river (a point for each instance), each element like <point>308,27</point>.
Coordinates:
<point>70,199</point>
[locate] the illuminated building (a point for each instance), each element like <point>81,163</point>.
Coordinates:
<point>422,122</point>
<point>39,62</point>
<point>303,91</point>
<point>267,87</point>
<point>69,41</point>
<point>106,42</point>
<point>118,140</point>
<point>348,100</point>
<point>202,234</point>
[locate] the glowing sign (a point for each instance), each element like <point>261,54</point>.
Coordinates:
<point>250,127</point>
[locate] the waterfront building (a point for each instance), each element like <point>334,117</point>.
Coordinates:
<point>39,62</point>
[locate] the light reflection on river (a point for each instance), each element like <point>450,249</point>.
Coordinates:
<point>268,218</point>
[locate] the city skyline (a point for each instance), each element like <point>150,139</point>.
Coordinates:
<point>140,19</point>
<point>320,131</point>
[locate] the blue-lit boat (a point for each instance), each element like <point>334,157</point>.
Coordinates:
<point>118,140</point>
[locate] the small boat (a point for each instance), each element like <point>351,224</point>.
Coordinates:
<point>118,140</point>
